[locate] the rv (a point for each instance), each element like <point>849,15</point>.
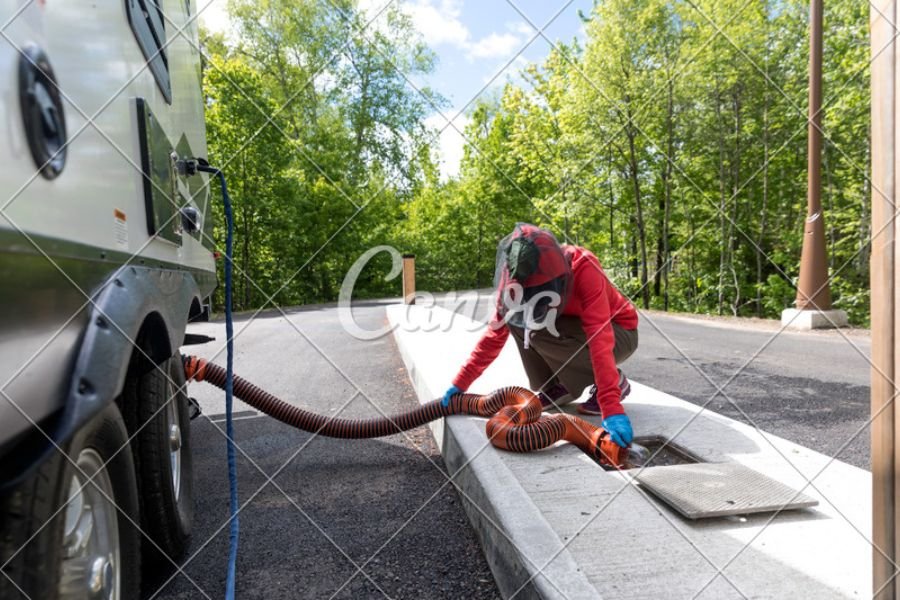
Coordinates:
<point>105,256</point>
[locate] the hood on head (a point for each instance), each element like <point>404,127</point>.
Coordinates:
<point>531,260</point>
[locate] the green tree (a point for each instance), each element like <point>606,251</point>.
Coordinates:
<point>336,137</point>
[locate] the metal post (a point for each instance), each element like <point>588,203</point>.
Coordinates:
<point>883,281</point>
<point>813,291</point>
<point>409,279</point>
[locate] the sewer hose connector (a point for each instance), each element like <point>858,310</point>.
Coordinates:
<point>515,417</point>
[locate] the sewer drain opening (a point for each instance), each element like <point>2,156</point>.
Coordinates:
<point>658,451</point>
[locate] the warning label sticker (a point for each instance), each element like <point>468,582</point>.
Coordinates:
<point>120,229</point>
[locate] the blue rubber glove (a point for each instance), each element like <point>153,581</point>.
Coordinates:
<point>451,391</point>
<point>619,428</point>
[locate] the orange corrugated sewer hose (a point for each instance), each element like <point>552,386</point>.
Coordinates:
<point>515,418</point>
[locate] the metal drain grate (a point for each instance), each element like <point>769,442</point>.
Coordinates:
<point>705,490</point>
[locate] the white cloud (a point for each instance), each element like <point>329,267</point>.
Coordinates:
<point>522,28</point>
<point>214,15</point>
<point>370,6</point>
<point>450,142</point>
<point>438,22</point>
<point>495,45</point>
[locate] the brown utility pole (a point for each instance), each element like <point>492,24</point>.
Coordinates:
<point>813,292</point>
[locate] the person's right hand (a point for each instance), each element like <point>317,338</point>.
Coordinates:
<point>451,391</point>
<point>619,428</point>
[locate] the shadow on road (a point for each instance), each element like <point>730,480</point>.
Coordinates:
<point>344,501</point>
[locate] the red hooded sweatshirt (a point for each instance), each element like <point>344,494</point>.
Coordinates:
<point>597,302</point>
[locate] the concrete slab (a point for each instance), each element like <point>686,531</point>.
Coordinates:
<point>553,524</point>
<point>805,320</point>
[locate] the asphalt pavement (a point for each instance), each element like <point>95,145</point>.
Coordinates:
<point>326,518</point>
<point>809,387</point>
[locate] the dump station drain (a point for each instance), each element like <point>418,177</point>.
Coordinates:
<point>657,451</point>
<point>698,490</point>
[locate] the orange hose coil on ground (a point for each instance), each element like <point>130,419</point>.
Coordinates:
<point>515,419</point>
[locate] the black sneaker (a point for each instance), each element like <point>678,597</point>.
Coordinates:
<point>552,394</point>
<point>591,407</point>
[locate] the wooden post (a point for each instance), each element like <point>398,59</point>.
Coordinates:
<point>409,279</point>
<point>883,281</point>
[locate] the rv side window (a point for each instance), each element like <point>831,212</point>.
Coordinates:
<point>149,27</point>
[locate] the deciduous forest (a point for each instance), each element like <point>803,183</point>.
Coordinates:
<point>670,140</point>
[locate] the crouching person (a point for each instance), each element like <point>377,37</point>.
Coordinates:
<point>571,325</point>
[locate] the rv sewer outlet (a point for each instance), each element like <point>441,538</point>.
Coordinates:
<point>657,451</point>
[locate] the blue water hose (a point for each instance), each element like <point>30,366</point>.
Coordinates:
<point>229,384</point>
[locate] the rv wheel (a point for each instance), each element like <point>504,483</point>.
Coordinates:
<point>159,413</point>
<point>68,531</point>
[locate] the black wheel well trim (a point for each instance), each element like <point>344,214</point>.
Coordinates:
<point>132,298</point>
<point>199,310</point>
<point>152,344</point>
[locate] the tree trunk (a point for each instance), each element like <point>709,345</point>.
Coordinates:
<point>612,204</point>
<point>735,189</point>
<point>723,245</point>
<point>829,209</point>
<point>865,233</point>
<point>667,186</point>
<point>763,209</point>
<point>639,211</point>
<point>659,260</point>
<point>692,276</point>
<point>633,255</point>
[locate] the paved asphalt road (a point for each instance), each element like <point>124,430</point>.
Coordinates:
<point>382,505</point>
<point>809,387</point>
<point>333,505</point>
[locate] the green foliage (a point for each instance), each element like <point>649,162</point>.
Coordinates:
<point>671,141</point>
<point>311,117</point>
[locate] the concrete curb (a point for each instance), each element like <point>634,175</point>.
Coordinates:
<point>516,538</point>
<point>551,500</point>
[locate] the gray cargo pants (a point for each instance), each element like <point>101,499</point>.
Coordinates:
<point>566,359</point>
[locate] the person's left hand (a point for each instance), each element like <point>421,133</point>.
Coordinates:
<point>619,428</point>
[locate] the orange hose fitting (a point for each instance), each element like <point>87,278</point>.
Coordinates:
<point>515,417</point>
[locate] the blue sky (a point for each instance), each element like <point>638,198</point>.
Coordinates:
<point>473,40</point>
